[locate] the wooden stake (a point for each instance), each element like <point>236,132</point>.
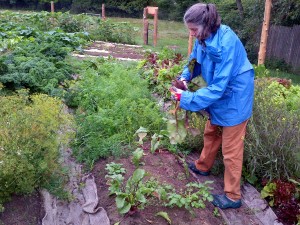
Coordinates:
<point>52,7</point>
<point>264,33</point>
<point>155,27</point>
<point>103,11</point>
<point>190,47</point>
<point>146,27</point>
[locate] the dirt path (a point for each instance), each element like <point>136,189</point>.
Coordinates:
<point>115,50</point>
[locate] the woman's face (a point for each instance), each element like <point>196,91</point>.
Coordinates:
<point>195,30</point>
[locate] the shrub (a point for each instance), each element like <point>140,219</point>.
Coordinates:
<point>273,139</point>
<point>29,142</point>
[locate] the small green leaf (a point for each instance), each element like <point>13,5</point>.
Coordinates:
<point>138,175</point>
<point>137,155</point>
<point>126,208</point>
<point>120,201</point>
<point>141,130</point>
<point>165,216</point>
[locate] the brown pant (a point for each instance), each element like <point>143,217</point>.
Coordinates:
<point>232,140</point>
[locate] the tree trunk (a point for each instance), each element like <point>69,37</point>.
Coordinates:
<point>264,33</point>
<point>240,8</point>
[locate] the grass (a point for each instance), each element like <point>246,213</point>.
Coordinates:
<point>170,33</point>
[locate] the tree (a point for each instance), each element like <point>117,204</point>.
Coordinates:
<point>240,8</point>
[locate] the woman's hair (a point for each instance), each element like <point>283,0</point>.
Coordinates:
<point>205,15</point>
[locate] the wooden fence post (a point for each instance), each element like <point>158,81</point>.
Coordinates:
<point>155,27</point>
<point>103,11</point>
<point>146,27</point>
<point>264,33</point>
<point>151,11</point>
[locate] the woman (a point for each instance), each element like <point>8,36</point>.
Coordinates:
<point>228,97</point>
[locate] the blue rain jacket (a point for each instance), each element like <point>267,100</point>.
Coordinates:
<point>223,64</point>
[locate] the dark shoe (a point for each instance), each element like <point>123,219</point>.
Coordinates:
<point>192,167</point>
<point>223,202</point>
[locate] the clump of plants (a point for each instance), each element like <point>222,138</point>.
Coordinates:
<point>160,69</point>
<point>29,144</point>
<point>284,196</point>
<point>137,191</point>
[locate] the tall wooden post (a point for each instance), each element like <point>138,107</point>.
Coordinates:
<point>103,11</point>
<point>151,11</point>
<point>52,7</point>
<point>155,27</point>
<point>190,47</point>
<point>264,33</point>
<point>146,27</point>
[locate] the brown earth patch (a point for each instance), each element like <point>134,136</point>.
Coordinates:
<point>166,168</point>
<point>23,210</point>
<point>115,50</point>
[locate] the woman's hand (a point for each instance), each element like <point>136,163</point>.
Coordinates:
<point>175,93</point>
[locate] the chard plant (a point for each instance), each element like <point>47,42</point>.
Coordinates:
<point>136,192</point>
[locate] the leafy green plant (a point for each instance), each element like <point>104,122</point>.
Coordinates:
<point>268,192</point>
<point>283,196</point>
<point>193,197</point>
<point>216,212</point>
<point>133,195</point>
<point>114,176</point>
<point>136,156</point>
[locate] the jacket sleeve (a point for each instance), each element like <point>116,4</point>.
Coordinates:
<point>204,97</point>
<point>186,74</point>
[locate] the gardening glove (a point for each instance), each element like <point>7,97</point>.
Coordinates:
<point>175,93</point>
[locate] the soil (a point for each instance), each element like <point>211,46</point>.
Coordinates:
<point>166,168</point>
<point>23,210</point>
<point>114,50</point>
